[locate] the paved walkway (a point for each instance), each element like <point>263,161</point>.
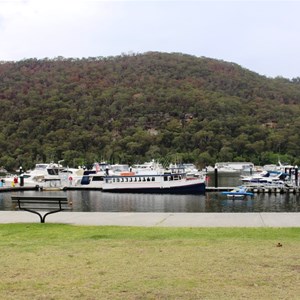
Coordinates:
<point>159,219</point>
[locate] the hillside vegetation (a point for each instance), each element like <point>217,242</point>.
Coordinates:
<point>133,108</point>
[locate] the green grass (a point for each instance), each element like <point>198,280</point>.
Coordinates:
<point>55,261</point>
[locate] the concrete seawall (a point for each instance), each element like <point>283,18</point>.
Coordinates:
<point>159,219</point>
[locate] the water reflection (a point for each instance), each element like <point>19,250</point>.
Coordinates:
<point>98,201</point>
<point>86,201</point>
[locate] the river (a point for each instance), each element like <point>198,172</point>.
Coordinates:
<point>97,201</point>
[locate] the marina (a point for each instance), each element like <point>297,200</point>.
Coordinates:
<point>149,188</point>
<point>213,201</point>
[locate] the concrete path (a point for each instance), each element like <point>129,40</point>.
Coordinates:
<point>159,219</point>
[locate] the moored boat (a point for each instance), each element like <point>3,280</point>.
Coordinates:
<point>238,193</point>
<point>45,175</point>
<point>232,167</point>
<point>42,174</point>
<point>171,182</point>
<point>266,178</point>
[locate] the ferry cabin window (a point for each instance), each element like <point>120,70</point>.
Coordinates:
<point>97,178</point>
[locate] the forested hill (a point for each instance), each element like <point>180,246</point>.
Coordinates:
<point>133,108</point>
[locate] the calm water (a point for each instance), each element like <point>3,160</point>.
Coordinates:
<point>211,202</point>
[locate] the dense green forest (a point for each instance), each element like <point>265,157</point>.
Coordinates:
<point>132,108</point>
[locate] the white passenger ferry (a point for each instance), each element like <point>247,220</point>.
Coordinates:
<point>173,181</point>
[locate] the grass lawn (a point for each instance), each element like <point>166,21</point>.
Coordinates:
<point>55,261</point>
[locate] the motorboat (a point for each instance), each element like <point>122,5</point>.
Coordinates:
<point>94,178</point>
<point>266,178</point>
<point>239,192</point>
<point>45,175</point>
<point>70,176</point>
<point>90,179</point>
<point>42,173</point>
<point>151,167</point>
<point>232,167</point>
<point>191,170</point>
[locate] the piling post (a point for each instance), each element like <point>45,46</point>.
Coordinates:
<point>216,177</point>
<point>296,176</point>
<point>21,180</point>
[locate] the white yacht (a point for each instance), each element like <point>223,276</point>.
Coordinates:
<point>44,175</point>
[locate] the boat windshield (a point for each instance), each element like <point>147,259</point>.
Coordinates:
<point>41,166</point>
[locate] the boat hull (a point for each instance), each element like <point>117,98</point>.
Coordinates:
<point>197,188</point>
<point>237,194</point>
<point>175,190</point>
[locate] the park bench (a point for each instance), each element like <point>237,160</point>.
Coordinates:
<point>34,204</point>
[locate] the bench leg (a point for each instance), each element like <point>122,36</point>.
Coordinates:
<point>35,212</point>
<point>48,213</point>
<point>42,218</point>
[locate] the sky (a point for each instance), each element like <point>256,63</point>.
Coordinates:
<point>262,36</point>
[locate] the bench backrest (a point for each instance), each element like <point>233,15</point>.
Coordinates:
<point>43,200</point>
<point>39,198</point>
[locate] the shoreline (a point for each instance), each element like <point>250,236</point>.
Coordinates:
<point>280,219</point>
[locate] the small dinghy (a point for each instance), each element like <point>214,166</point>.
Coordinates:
<point>238,193</point>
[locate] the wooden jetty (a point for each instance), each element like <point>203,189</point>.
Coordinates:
<point>259,189</point>
<point>275,190</point>
<point>19,188</point>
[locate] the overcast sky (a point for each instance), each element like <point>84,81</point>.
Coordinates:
<point>263,36</point>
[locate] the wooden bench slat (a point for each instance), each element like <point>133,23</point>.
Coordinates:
<point>45,208</point>
<point>38,198</point>
<point>44,201</point>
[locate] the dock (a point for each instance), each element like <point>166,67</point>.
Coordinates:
<point>259,189</point>
<point>18,188</point>
<point>275,190</point>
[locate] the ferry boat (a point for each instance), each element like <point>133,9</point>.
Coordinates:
<point>174,181</point>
